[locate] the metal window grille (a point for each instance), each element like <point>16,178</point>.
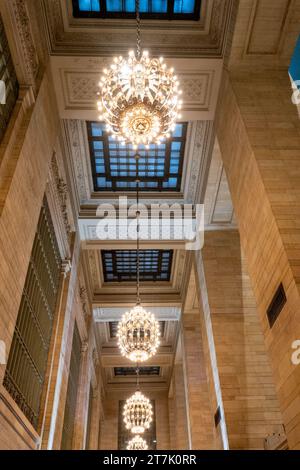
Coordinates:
<point>9,87</point>
<point>27,361</point>
<point>115,167</point>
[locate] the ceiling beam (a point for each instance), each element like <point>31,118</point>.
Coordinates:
<point>128,300</point>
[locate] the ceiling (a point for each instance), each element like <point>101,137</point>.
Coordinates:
<point>80,48</point>
<point>229,33</point>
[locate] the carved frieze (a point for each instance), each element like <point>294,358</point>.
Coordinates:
<point>23,37</point>
<point>84,302</point>
<point>62,194</point>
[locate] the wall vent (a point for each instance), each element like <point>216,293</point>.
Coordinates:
<point>218,417</point>
<point>276,305</point>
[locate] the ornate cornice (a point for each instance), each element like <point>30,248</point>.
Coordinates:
<point>66,267</point>
<point>57,197</point>
<point>27,60</point>
<point>76,83</point>
<point>201,139</point>
<point>62,194</point>
<point>84,302</point>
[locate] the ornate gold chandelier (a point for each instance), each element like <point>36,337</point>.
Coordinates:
<point>139,97</point>
<point>137,443</point>
<point>137,413</point>
<point>138,334</point>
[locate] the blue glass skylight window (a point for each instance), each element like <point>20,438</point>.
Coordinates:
<point>151,9</point>
<point>115,167</point>
<point>120,265</point>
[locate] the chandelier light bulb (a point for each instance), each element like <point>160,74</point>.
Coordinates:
<point>137,443</point>
<point>139,98</point>
<point>138,334</point>
<point>137,413</point>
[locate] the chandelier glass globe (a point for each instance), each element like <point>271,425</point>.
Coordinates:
<point>137,413</point>
<point>137,443</point>
<point>139,99</point>
<point>138,334</point>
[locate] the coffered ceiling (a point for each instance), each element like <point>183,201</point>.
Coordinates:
<point>118,294</point>
<point>76,82</point>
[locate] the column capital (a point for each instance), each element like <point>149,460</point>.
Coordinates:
<point>66,267</point>
<point>84,347</point>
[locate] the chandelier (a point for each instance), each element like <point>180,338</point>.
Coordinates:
<point>137,443</point>
<point>137,413</point>
<point>138,334</point>
<point>139,97</point>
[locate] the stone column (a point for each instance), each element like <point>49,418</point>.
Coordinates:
<point>95,421</point>
<point>180,430</point>
<point>54,414</point>
<point>52,375</point>
<point>82,399</point>
<point>249,397</point>
<point>101,416</point>
<point>200,416</point>
<point>258,129</point>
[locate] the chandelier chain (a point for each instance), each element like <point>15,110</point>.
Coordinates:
<point>137,377</point>
<point>138,28</point>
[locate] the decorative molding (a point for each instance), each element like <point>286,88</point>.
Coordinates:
<point>81,88</point>
<point>199,162</point>
<point>66,267</point>
<point>84,347</point>
<point>84,302</point>
<point>95,357</point>
<point>107,314</point>
<point>24,47</point>
<point>62,193</point>
<point>75,133</point>
<point>76,82</point>
<point>88,233</point>
<point>57,198</point>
